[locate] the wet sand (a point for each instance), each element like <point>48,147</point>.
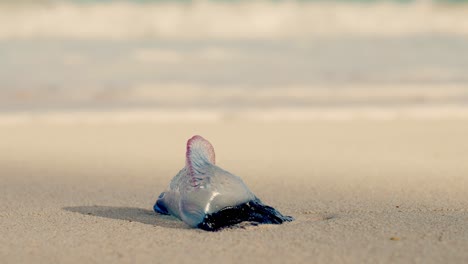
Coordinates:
<point>362,191</point>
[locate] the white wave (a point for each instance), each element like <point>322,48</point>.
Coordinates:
<point>245,20</point>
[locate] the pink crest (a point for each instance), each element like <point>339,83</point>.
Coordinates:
<point>199,153</point>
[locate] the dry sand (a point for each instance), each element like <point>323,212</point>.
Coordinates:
<point>361,192</point>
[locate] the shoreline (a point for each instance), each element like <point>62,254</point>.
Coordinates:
<point>275,114</point>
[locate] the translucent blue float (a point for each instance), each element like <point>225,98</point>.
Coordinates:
<point>205,196</point>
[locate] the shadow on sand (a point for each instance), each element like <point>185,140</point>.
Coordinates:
<point>129,214</point>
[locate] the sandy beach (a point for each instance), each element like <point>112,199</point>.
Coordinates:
<point>350,116</point>
<point>362,191</point>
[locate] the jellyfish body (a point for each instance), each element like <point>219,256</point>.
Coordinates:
<point>205,196</point>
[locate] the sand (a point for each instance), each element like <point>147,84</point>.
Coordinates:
<point>362,191</point>
<point>350,120</point>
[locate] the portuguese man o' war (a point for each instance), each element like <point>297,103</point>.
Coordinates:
<point>205,196</point>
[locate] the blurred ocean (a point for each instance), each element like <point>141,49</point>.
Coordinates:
<point>161,59</point>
